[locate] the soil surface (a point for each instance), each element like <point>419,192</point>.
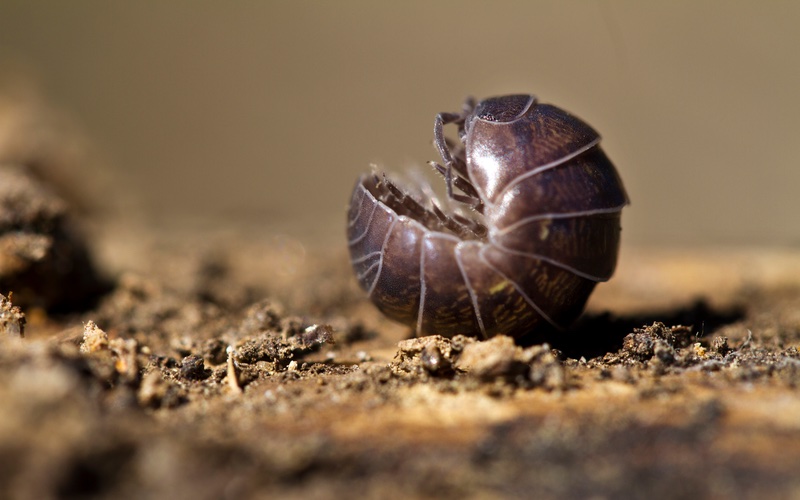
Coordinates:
<point>172,363</point>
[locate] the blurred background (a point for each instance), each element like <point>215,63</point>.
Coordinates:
<point>264,113</point>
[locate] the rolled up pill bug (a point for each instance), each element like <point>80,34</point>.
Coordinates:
<point>530,225</point>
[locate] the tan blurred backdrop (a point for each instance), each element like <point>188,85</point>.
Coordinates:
<point>265,112</point>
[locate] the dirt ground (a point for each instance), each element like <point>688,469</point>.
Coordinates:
<point>141,362</point>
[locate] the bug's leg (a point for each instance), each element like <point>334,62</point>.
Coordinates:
<point>455,160</point>
<point>458,152</point>
<point>451,161</point>
<point>444,150</point>
<point>470,197</point>
<point>459,182</point>
<point>460,164</point>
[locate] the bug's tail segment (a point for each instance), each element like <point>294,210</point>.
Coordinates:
<point>568,216</point>
<point>585,185</point>
<point>554,293</point>
<point>586,245</point>
<point>499,305</point>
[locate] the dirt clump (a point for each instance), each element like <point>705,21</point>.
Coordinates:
<point>43,258</point>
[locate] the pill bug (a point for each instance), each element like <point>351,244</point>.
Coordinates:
<point>530,225</point>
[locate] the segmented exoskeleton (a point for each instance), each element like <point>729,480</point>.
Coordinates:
<point>541,226</point>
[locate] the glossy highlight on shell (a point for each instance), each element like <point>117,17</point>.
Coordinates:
<point>530,225</point>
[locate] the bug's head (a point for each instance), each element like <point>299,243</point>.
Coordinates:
<point>503,109</point>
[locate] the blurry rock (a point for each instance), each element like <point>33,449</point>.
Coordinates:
<point>193,368</point>
<point>656,340</point>
<point>42,259</point>
<point>431,355</point>
<point>499,358</point>
<point>495,358</point>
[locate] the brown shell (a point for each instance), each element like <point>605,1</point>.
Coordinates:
<point>551,203</point>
